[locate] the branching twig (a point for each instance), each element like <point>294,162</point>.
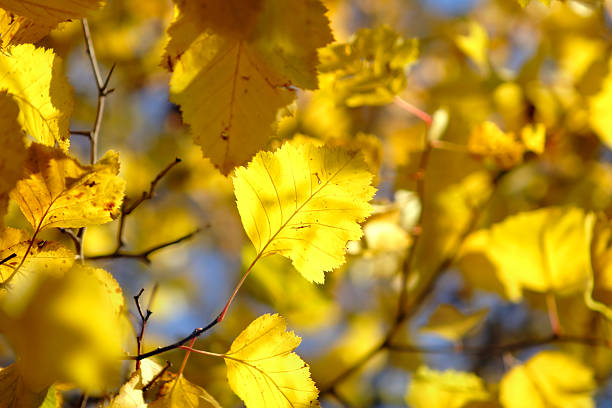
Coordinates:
<point>144,255</point>
<point>157,376</point>
<point>144,318</point>
<point>146,195</point>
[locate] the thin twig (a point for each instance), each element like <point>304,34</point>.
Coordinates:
<point>144,318</point>
<point>200,330</point>
<point>8,258</point>
<point>499,349</point>
<point>146,195</point>
<point>157,376</point>
<point>144,256</point>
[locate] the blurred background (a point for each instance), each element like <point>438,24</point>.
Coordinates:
<point>478,60</point>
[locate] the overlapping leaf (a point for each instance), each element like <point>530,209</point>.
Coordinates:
<point>370,70</point>
<point>35,78</point>
<point>549,379</point>
<point>304,202</point>
<point>263,370</point>
<point>235,64</point>
<point>58,191</point>
<point>12,149</point>
<point>179,393</point>
<point>15,394</point>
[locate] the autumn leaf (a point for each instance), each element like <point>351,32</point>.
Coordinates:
<point>444,389</point>
<point>15,394</point>
<point>488,140</point>
<point>542,250</point>
<point>35,78</point>
<point>549,379</point>
<point>475,44</point>
<point>263,370</point>
<point>58,191</point>
<point>304,202</point>
<point>12,149</point>
<point>29,21</point>
<point>21,271</point>
<point>450,323</point>
<point>599,108</point>
<point>72,329</point>
<point>180,393</point>
<point>369,70</point>
<point>236,64</point>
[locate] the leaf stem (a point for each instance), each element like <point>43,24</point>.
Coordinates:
<point>408,107</point>
<point>206,353</point>
<point>189,350</point>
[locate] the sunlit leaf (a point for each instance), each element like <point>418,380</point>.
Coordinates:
<point>549,379</point>
<point>263,370</point>
<point>35,78</point>
<point>58,191</point>
<point>371,69</point>
<point>599,109</point>
<point>543,250</point>
<point>179,393</point>
<point>131,393</point>
<point>12,148</point>
<point>475,44</point>
<point>444,389</point>
<point>450,323</point>
<point>71,330</point>
<point>235,65</point>
<point>490,141</point>
<point>534,137</point>
<point>304,202</point>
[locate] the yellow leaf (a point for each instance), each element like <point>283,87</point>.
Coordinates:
<point>599,111</point>
<point>51,9</point>
<point>71,330</point>
<point>15,394</point>
<point>447,389</point>
<point>534,137</point>
<point>371,69</point>
<point>180,393</point>
<point>549,379</point>
<point>19,277</point>
<point>490,141</point>
<point>475,44</point>
<point>263,370</point>
<point>15,29</point>
<point>543,250</point>
<point>35,78</point>
<point>131,394</point>
<point>58,191</point>
<point>235,65</point>
<point>452,324</point>
<point>598,295</point>
<point>304,202</point>
<point>12,149</point>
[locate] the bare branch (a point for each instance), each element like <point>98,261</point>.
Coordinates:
<point>143,320</point>
<point>144,255</point>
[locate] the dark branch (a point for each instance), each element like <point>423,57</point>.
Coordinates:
<point>8,258</point>
<point>144,255</point>
<point>143,320</point>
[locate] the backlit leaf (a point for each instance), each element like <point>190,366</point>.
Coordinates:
<point>490,141</point>
<point>235,65</point>
<point>131,394</point>
<point>58,191</point>
<point>263,370</point>
<point>15,29</point>
<point>371,69</point>
<point>304,202</point>
<point>72,330</point>
<point>549,379</point>
<point>599,109</point>
<point>12,148</point>
<point>35,78</point>
<point>542,250</point>
<point>444,389</point>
